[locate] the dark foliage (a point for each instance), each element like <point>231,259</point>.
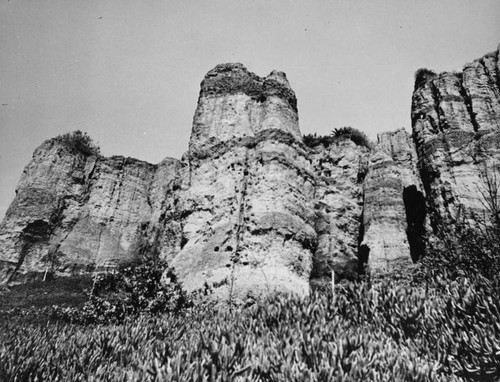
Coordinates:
<point>314,140</point>
<point>422,76</point>
<point>150,287</point>
<point>440,330</point>
<point>358,137</point>
<point>80,142</point>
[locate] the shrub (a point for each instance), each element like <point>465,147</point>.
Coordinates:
<point>422,76</point>
<point>150,287</point>
<point>80,142</point>
<point>439,331</point>
<point>358,137</point>
<point>471,246</point>
<point>314,140</point>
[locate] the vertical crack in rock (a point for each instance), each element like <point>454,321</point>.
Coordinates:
<point>338,201</point>
<point>416,213</point>
<point>240,226</point>
<point>468,104</point>
<point>392,231</point>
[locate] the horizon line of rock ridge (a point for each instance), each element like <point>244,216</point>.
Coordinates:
<point>234,78</point>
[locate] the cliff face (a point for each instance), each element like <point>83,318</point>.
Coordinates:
<point>247,188</point>
<point>339,171</point>
<point>456,127</point>
<point>394,218</point>
<point>74,212</point>
<point>250,209</point>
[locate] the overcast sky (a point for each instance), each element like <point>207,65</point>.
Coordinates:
<point>128,72</point>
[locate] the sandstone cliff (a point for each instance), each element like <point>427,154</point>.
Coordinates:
<point>247,188</point>
<point>456,129</point>
<point>250,208</point>
<point>394,218</point>
<point>75,212</point>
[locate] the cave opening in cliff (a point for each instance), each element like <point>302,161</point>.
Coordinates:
<point>363,256</point>
<point>416,212</point>
<point>36,231</point>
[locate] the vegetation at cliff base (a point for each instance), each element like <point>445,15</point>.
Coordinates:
<point>438,322</point>
<point>444,330</point>
<point>80,142</point>
<point>347,132</point>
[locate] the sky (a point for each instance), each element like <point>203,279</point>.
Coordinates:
<point>128,71</point>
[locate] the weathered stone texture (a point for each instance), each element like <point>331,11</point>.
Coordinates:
<point>249,209</point>
<point>456,121</point>
<point>340,170</point>
<point>246,195</point>
<point>394,206</point>
<point>74,212</point>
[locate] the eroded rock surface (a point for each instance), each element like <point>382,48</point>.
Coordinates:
<point>250,209</point>
<point>75,213</point>
<point>394,216</point>
<point>340,170</point>
<point>247,190</point>
<point>456,125</point>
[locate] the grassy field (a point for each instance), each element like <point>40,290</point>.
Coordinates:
<point>416,331</point>
<point>31,300</point>
<point>62,291</point>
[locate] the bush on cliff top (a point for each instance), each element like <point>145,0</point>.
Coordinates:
<point>423,75</point>
<point>80,142</point>
<point>347,132</point>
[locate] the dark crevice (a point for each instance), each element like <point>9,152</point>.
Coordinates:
<point>184,241</point>
<point>436,125</point>
<point>428,176</point>
<point>416,213</point>
<point>363,249</point>
<point>363,256</point>
<point>468,104</point>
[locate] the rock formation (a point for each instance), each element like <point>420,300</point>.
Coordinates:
<point>247,188</point>
<point>75,212</point>
<point>250,208</point>
<point>394,217</point>
<point>456,129</point>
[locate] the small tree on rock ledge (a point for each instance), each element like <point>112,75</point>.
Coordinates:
<point>80,142</point>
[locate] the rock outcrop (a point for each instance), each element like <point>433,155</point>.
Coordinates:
<point>247,190</point>
<point>250,208</point>
<point>340,169</point>
<point>394,217</point>
<point>75,212</point>
<point>456,128</point>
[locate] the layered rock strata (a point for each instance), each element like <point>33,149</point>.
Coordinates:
<point>74,212</point>
<point>394,215</point>
<point>340,170</point>
<point>250,209</point>
<point>247,190</point>
<point>456,127</point>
